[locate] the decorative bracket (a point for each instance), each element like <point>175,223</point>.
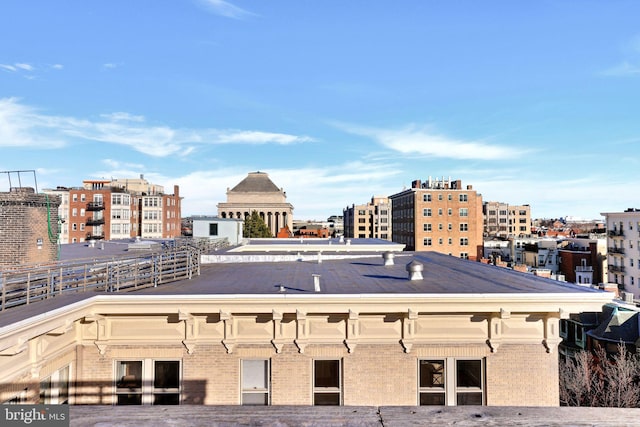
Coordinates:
<point>229,340</point>
<point>278,340</point>
<point>302,339</point>
<point>352,331</point>
<point>409,330</point>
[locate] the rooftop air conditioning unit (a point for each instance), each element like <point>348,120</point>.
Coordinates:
<point>628,297</point>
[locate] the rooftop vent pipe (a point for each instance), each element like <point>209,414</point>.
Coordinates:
<point>316,282</point>
<point>388,258</point>
<point>414,268</point>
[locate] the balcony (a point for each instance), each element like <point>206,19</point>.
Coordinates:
<point>616,233</point>
<point>95,206</point>
<point>95,221</point>
<point>584,269</point>
<point>616,251</point>
<point>616,269</point>
<point>94,236</point>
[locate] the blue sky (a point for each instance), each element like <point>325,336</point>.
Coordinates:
<point>530,102</point>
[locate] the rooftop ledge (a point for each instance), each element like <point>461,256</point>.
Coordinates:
<point>142,416</point>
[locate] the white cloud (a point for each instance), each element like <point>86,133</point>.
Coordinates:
<point>121,116</point>
<point>109,65</point>
<point>21,125</point>
<point>8,67</point>
<point>411,141</point>
<point>623,69</point>
<point>256,137</point>
<point>225,8</point>
<point>17,67</point>
<point>25,67</point>
<point>57,66</point>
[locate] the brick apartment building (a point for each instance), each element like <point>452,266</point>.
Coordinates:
<point>118,209</point>
<point>623,242</point>
<point>504,220</point>
<point>371,220</point>
<point>439,215</point>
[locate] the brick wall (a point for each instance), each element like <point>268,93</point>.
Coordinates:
<point>522,375</point>
<point>374,374</point>
<point>26,218</point>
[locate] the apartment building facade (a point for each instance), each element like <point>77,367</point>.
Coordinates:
<point>370,220</point>
<point>107,209</point>
<point>439,215</point>
<point>623,243</point>
<point>504,220</point>
<point>371,333</point>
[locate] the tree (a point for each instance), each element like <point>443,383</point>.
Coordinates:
<point>599,379</point>
<point>254,226</point>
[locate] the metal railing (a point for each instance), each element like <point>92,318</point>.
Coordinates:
<point>27,284</point>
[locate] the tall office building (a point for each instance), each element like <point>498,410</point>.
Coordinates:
<point>439,215</point>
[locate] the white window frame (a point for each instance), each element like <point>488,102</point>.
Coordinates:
<point>265,391</point>
<point>148,390</point>
<point>54,394</point>
<point>450,387</point>
<point>327,390</point>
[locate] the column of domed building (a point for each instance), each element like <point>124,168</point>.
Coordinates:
<point>258,193</point>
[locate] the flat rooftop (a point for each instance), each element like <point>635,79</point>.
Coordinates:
<point>442,274</point>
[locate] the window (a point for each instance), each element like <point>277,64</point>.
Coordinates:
<point>426,212</point>
<point>327,382</point>
<point>450,211</point>
<point>74,227</point>
<point>255,382</point>
<point>440,241</point>
<point>440,211</point>
<point>464,241</point>
<point>464,212</point>
<point>148,382</point>
<point>450,227</point>
<point>463,197</point>
<point>440,226</point>
<point>426,227</point>
<point>426,197</point>
<point>362,220</point>
<point>464,226</point>
<point>427,241</point>
<point>82,197</point>
<point>440,197</point>
<point>54,390</point>
<point>449,197</point>
<point>451,382</point>
<point>213,229</point>
<point>82,226</point>
<point>74,212</point>
<point>75,197</point>
<point>464,255</point>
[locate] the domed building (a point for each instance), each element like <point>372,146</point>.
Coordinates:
<point>258,193</point>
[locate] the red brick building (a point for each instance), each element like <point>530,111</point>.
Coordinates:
<point>439,215</point>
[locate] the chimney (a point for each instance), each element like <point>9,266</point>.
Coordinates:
<point>316,282</point>
<point>414,268</point>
